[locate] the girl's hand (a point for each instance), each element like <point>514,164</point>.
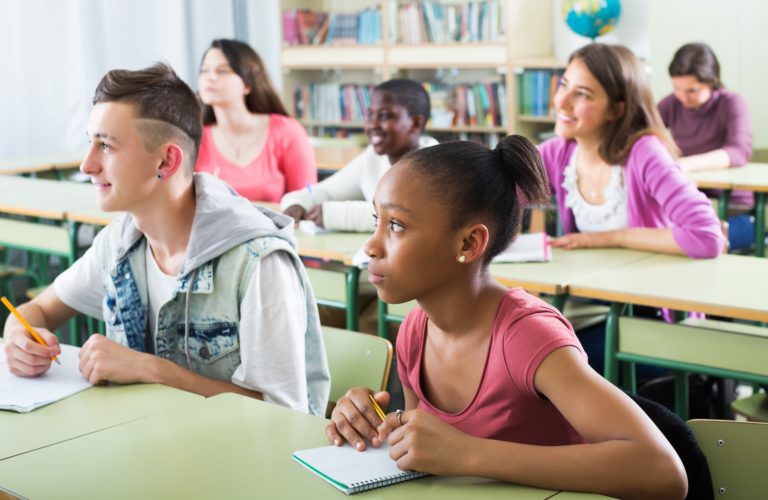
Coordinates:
<point>295,211</point>
<point>583,240</point>
<point>422,442</point>
<point>355,420</point>
<point>316,215</point>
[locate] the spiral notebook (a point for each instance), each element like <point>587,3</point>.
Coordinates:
<point>353,471</point>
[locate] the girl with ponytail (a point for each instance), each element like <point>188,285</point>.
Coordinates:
<point>496,383</point>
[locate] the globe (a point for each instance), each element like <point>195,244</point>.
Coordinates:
<point>591,18</point>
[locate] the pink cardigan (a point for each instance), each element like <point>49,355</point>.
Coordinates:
<point>658,195</point>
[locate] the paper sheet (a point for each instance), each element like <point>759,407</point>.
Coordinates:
<point>23,394</point>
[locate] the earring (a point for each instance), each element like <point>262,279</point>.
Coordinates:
<point>461,258</point>
<point>160,177</point>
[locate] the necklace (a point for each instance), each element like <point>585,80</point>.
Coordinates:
<point>594,184</point>
<point>236,147</point>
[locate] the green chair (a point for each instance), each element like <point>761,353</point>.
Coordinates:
<point>720,349</point>
<point>736,453</point>
<point>42,241</point>
<point>753,408</point>
<point>356,360</point>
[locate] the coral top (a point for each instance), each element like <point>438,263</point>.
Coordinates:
<point>285,163</point>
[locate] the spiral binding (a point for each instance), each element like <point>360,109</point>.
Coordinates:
<point>380,482</point>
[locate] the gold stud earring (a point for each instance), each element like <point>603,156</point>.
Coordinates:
<point>461,258</point>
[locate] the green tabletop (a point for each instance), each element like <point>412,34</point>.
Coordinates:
<point>712,179</point>
<point>566,265</point>
<point>228,446</point>
<point>332,247</point>
<point>750,177</point>
<point>44,198</point>
<point>40,163</point>
<point>734,286</point>
<point>86,412</point>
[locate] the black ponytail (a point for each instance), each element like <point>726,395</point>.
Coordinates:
<point>485,186</point>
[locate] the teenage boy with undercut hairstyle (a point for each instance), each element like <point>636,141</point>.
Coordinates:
<point>199,289</point>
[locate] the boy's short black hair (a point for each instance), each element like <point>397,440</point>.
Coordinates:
<point>411,95</point>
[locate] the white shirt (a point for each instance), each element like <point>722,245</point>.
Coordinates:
<point>590,218</point>
<point>346,195</point>
<point>160,288</point>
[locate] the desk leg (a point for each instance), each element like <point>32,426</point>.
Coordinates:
<point>722,208</point>
<point>353,289</point>
<point>681,394</point>
<point>760,224</point>
<point>612,343</point>
<point>559,301</point>
<point>383,324</point>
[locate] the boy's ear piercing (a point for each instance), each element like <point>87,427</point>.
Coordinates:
<point>159,177</point>
<point>461,258</point>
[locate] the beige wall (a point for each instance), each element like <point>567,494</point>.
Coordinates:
<point>738,33</point>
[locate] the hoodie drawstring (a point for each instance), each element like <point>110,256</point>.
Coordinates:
<point>186,316</point>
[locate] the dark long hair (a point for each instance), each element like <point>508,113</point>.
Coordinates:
<point>247,64</point>
<point>490,186</point>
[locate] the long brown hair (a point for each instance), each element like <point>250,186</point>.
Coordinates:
<point>623,77</point>
<point>247,64</point>
<point>698,60</point>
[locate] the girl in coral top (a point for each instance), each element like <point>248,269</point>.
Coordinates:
<point>249,140</point>
<point>496,383</point>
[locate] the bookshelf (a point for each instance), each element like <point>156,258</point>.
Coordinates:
<point>517,38</point>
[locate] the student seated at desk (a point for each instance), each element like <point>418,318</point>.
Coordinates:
<point>496,383</point>
<point>394,124</point>
<point>611,169</point>
<point>710,124</point>
<point>189,302</point>
<point>249,140</point>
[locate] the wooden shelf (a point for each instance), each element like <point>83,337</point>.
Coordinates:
<point>332,56</point>
<point>536,119</point>
<point>457,129</point>
<point>480,55</point>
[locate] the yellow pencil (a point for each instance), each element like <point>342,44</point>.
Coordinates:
<point>376,407</point>
<point>29,328</point>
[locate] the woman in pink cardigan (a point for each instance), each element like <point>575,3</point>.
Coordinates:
<point>612,168</point>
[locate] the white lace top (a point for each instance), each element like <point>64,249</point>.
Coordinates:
<point>590,218</point>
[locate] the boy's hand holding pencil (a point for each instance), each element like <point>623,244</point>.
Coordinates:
<point>29,351</point>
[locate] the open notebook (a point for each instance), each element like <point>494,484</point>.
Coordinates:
<point>354,471</point>
<point>530,247</point>
<point>26,394</point>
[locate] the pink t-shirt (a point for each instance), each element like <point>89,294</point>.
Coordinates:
<point>286,163</point>
<point>506,405</point>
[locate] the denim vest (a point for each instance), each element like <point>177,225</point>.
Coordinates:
<point>211,311</point>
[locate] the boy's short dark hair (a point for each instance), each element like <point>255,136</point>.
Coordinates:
<point>410,94</point>
<point>160,97</point>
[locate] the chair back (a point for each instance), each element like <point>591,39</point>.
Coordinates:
<point>356,360</point>
<point>737,453</point>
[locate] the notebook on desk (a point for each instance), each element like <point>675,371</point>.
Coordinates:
<point>530,247</point>
<point>22,394</point>
<point>353,471</point>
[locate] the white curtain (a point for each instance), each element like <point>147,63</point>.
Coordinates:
<point>58,50</point>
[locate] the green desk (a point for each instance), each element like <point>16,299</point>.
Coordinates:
<point>566,266</point>
<point>84,413</point>
<point>750,177</point>
<point>227,446</point>
<point>42,163</point>
<point>733,286</point>
<point>335,251</point>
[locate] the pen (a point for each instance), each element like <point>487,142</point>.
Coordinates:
<point>376,407</point>
<point>29,328</point>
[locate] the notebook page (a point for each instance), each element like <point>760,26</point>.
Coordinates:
<point>23,394</point>
<point>349,469</point>
<point>531,247</point>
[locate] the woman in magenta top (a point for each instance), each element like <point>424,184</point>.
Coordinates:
<point>612,169</point>
<point>709,123</point>
<point>495,381</point>
<point>249,140</point>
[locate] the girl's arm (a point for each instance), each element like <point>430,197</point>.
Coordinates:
<point>711,160</point>
<point>637,238</point>
<point>621,442</point>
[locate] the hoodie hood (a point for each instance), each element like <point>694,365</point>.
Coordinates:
<point>223,220</point>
